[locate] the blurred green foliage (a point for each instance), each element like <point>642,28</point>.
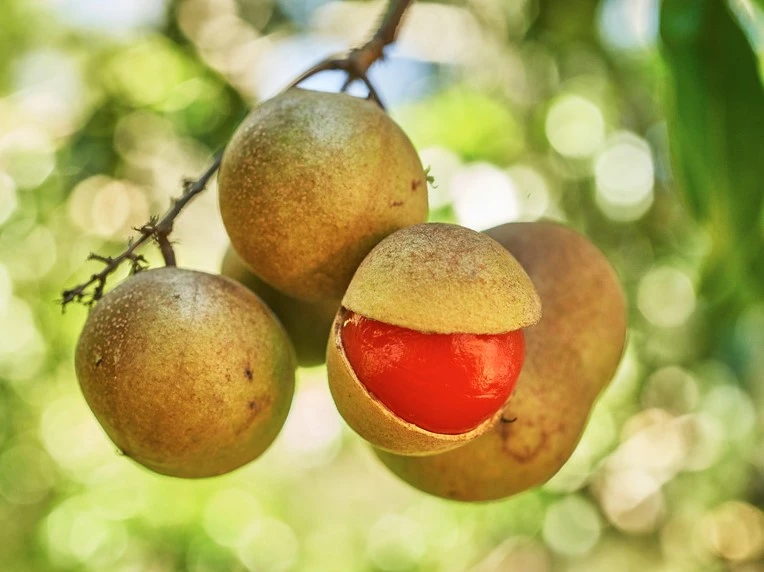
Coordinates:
<point>473,126</point>
<point>527,109</point>
<point>716,122</point>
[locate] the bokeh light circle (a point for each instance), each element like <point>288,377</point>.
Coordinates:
<point>624,177</point>
<point>572,526</point>
<point>666,296</point>
<point>483,196</point>
<point>575,126</point>
<point>395,543</point>
<point>8,200</point>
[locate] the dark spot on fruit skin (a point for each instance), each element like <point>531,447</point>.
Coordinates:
<point>505,429</point>
<point>396,204</point>
<point>508,419</point>
<point>98,361</point>
<point>248,373</point>
<point>253,408</point>
<point>526,455</point>
<point>415,184</point>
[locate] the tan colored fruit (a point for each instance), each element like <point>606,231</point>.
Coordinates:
<point>571,355</point>
<point>307,323</point>
<point>432,278</point>
<point>310,183</point>
<point>189,374</point>
<point>446,279</point>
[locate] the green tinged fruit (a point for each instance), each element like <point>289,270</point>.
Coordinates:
<point>190,374</point>
<point>310,183</point>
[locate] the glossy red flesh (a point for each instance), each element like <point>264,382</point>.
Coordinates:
<point>444,383</point>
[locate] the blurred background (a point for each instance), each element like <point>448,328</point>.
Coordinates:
<point>523,109</point>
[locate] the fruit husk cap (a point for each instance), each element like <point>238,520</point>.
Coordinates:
<point>372,420</point>
<point>445,279</point>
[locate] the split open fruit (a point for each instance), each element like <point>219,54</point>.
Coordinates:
<point>572,354</point>
<point>428,343</point>
<point>445,383</point>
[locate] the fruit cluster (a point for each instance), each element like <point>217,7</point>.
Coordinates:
<point>435,344</point>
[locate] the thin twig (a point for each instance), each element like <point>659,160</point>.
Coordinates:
<point>159,230</point>
<point>355,64</point>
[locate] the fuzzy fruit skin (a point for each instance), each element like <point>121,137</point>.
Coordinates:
<point>571,355</point>
<point>436,278</point>
<point>189,374</point>
<point>445,279</point>
<point>307,323</point>
<point>310,183</point>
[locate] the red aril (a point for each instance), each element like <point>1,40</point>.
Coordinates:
<point>444,383</point>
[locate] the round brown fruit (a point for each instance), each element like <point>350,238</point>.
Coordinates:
<point>571,355</point>
<point>426,347</point>
<point>310,183</point>
<point>307,323</point>
<point>190,374</point>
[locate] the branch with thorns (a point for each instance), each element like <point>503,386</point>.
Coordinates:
<point>354,64</point>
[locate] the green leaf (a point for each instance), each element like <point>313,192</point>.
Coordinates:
<point>716,129</point>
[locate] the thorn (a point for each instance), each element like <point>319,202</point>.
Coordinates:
<point>99,258</point>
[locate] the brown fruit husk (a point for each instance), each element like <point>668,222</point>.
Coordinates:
<point>310,183</point>
<point>190,374</point>
<point>307,323</point>
<point>372,420</point>
<point>445,279</point>
<point>571,355</point>
<point>435,278</point>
